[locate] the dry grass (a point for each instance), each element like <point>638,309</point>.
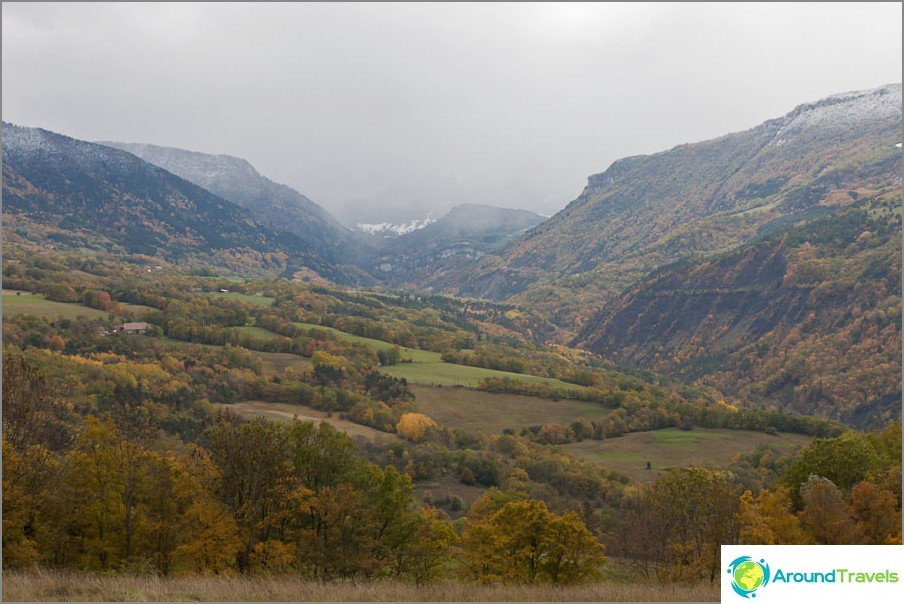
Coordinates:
<point>43,586</point>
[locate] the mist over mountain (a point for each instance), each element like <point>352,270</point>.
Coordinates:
<point>276,205</point>
<point>422,256</point>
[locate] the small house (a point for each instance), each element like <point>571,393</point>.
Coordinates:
<point>138,327</point>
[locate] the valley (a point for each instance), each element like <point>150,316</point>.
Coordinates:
<point>219,377</point>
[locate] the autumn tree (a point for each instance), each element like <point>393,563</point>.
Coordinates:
<point>524,542</point>
<point>826,516</point>
<point>415,426</point>
<point>877,514</point>
<point>767,519</point>
<point>250,458</point>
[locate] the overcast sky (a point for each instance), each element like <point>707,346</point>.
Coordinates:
<point>424,106</point>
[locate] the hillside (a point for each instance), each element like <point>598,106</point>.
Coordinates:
<point>807,320</point>
<point>421,258</point>
<point>77,194</point>
<point>276,205</point>
<point>650,211</point>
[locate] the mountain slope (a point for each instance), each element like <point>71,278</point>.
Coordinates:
<point>806,320</point>
<point>113,199</point>
<point>648,211</point>
<point>421,258</point>
<point>278,206</point>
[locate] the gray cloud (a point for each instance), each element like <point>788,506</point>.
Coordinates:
<point>424,106</point>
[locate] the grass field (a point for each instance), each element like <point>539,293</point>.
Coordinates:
<point>674,448</point>
<point>35,304</point>
<point>278,362</point>
<point>256,300</point>
<point>283,412</point>
<point>448,374</point>
<point>60,586</point>
<point>414,355</point>
<point>471,410</point>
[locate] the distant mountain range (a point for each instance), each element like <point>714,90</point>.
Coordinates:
<point>422,256</point>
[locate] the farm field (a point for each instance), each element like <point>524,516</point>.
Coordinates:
<point>37,305</point>
<point>448,374</point>
<point>284,412</point>
<point>675,448</point>
<point>472,410</point>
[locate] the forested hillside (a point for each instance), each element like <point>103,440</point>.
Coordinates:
<point>76,194</point>
<point>806,320</point>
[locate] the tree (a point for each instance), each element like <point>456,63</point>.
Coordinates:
<point>415,426</point>
<point>30,416</point>
<point>768,520</point>
<point>876,512</point>
<point>321,455</point>
<point>524,542</point>
<point>826,516</point>
<point>429,550</point>
<point>844,460</point>
<point>250,459</point>
<point>677,524</point>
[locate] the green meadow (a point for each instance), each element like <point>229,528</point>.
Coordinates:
<point>37,305</point>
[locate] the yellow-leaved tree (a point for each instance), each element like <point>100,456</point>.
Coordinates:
<point>523,542</point>
<point>415,426</point>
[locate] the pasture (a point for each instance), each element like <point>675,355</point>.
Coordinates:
<point>284,412</point>
<point>472,410</point>
<point>448,374</point>
<point>38,306</point>
<point>413,355</point>
<point>674,448</point>
<point>251,299</point>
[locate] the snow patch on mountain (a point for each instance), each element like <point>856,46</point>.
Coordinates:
<point>842,111</point>
<point>394,229</point>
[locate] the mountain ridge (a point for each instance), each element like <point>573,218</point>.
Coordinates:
<point>56,180</point>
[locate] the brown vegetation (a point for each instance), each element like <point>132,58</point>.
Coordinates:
<point>72,586</point>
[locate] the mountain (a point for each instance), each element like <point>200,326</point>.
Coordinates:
<point>648,211</point>
<point>90,195</point>
<point>278,206</point>
<point>806,320</point>
<point>422,257</point>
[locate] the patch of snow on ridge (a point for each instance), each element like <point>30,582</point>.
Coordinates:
<point>844,110</point>
<point>390,229</point>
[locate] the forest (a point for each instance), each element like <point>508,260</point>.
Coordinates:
<point>128,454</point>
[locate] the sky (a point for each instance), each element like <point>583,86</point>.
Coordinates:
<point>385,111</point>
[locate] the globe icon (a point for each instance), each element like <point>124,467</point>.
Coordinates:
<point>748,575</point>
